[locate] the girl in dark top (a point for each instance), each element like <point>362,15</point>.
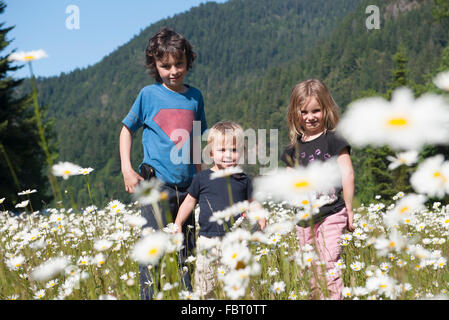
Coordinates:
<point>312,119</point>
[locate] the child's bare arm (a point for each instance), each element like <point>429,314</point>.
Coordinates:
<point>347,180</point>
<point>184,211</point>
<point>130,177</point>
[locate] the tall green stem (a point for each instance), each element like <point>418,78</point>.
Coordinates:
<point>11,169</point>
<point>53,181</point>
<point>88,188</point>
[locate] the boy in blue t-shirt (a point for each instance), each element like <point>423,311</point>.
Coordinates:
<point>166,110</point>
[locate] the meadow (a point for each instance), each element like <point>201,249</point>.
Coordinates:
<point>89,255</point>
<point>398,250</point>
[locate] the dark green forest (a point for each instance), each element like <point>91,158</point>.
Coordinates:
<point>250,55</point>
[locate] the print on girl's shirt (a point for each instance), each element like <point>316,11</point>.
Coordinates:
<point>317,152</point>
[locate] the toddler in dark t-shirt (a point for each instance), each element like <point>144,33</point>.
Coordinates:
<point>225,141</point>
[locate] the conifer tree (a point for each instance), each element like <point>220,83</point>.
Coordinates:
<point>22,159</point>
<point>441,9</point>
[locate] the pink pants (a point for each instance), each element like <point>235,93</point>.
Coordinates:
<point>327,236</point>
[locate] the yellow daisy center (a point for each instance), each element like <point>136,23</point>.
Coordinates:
<point>439,175</point>
<point>67,172</point>
<point>404,209</point>
<point>301,184</point>
<point>28,58</point>
<point>153,251</point>
<point>397,122</point>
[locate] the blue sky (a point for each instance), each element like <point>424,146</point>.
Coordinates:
<point>104,25</point>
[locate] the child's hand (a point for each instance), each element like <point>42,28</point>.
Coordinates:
<point>131,179</point>
<point>262,223</point>
<point>179,229</point>
<point>350,221</point>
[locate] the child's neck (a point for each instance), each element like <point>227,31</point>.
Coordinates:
<point>216,168</point>
<point>308,136</point>
<point>181,89</point>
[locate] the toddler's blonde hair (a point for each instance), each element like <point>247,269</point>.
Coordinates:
<point>224,130</point>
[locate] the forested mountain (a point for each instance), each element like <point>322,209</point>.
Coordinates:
<point>250,55</point>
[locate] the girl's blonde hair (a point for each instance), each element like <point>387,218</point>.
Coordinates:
<point>300,95</point>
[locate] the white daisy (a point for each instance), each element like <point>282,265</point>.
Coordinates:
<point>135,221</point>
<point>404,208</point>
<point>346,292</point>
<point>432,177</point>
<point>395,242</point>
<point>99,259</point>
<point>383,284</point>
<point>278,287</point>
<point>27,192</point>
<point>16,262</point>
<point>85,171</point>
<point>50,268</point>
<point>403,158</point>
<point>298,184</point>
<point>442,80</point>
<point>39,294</point>
<point>65,169</point>
<point>147,192</point>
<point>115,206</point>
<point>22,204</point>
<point>27,56</point>
<point>102,245</point>
<point>225,172</point>
<point>236,256</point>
<point>234,289</point>
<point>151,248</point>
<point>404,123</point>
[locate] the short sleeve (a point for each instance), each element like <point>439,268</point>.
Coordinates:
<point>135,117</point>
<point>338,143</point>
<point>201,116</point>
<point>194,188</point>
<point>288,156</point>
<point>249,188</point>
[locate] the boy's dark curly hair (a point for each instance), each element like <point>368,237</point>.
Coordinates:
<point>166,41</point>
